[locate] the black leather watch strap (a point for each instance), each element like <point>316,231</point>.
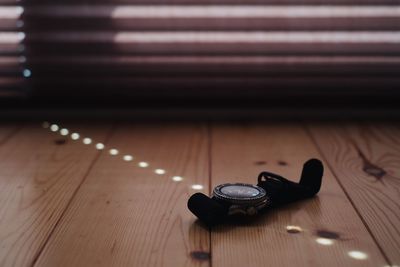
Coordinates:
<point>208,210</point>
<point>282,191</point>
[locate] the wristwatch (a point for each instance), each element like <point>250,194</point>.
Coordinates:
<point>272,190</point>
<point>239,198</point>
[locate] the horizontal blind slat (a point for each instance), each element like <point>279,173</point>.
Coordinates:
<point>85,25</point>
<point>209,2</point>
<point>228,66</point>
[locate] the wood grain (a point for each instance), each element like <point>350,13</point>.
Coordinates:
<point>365,158</point>
<point>39,172</point>
<point>124,215</point>
<point>239,153</point>
<point>8,130</point>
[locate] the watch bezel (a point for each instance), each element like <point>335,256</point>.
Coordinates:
<point>262,196</point>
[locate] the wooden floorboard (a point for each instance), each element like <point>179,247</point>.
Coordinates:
<point>8,130</point>
<point>239,153</point>
<point>64,203</point>
<point>39,173</point>
<point>365,158</point>
<point>124,215</point>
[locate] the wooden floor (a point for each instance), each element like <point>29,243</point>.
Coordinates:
<point>66,203</point>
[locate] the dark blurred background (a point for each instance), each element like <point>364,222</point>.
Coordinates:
<point>200,58</point>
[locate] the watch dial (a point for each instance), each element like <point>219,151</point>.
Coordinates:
<point>239,191</point>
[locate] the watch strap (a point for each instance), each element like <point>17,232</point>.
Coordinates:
<point>282,191</point>
<point>208,210</point>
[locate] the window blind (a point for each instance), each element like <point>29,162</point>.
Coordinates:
<point>120,48</point>
<point>12,60</point>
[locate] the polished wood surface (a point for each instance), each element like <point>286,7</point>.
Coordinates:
<point>124,215</point>
<point>39,176</point>
<point>283,149</point>
<point>66,203</point>
<point>366,161</point>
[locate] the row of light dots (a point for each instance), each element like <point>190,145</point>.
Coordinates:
<point>113,151</point>
<point>355,254</point>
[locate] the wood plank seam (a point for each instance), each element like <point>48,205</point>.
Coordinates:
<point>40,250</point>
<point>321,152</point>
<point>210,144</point>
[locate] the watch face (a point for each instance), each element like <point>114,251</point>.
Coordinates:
<point>242,198</point>
<point>239,191</point>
